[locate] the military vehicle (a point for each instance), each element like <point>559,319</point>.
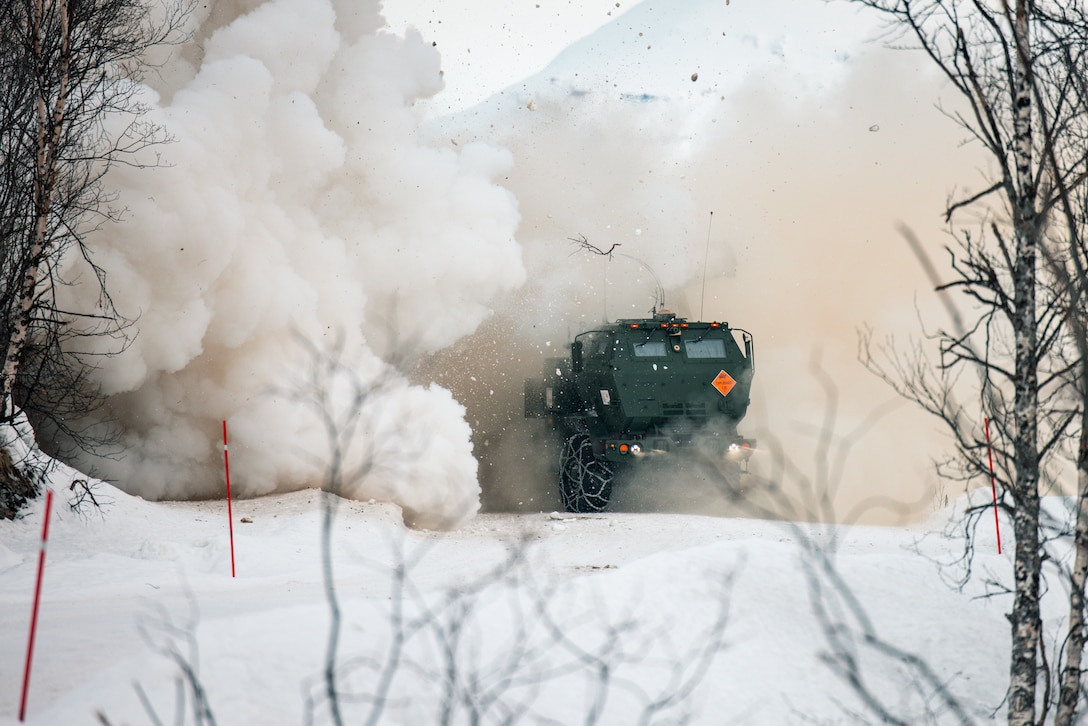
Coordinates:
<point>638,389</point>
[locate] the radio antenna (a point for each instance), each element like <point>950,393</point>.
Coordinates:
<point>706,256</point>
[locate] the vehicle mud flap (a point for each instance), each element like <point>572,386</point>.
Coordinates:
<point>585,482</point>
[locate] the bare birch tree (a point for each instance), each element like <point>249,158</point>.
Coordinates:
<point>69,73</point>
<point>1066,256</point>
<point>1011,62</point>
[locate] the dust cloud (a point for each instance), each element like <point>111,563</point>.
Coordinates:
<point>807,178</point>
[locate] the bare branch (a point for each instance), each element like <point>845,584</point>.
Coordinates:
<point>584,244</point>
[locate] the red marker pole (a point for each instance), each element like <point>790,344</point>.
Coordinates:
<point>993,484</point>
<point>37,601</point>
<point>230,514</point>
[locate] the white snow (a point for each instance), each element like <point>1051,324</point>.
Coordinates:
<point>654,584</point>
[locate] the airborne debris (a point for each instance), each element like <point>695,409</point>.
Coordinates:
<point>586,245</point>
<point>694,77</point>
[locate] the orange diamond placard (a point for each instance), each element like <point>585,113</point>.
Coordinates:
<point>724,383</point>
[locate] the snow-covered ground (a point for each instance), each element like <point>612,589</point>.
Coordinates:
<point>545,616</point>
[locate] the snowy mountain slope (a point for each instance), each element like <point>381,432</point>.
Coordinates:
<point>685,59</point>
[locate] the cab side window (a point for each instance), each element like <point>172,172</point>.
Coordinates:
<point>705,348</point>
<point>650,349</point>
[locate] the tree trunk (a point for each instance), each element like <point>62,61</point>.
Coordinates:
<point>1071,672</point>
<point>1025,613</point>
<point>50,127</point>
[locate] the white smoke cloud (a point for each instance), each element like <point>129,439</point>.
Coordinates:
<point>297,195</point>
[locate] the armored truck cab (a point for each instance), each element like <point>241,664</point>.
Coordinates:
<point>638,388</point>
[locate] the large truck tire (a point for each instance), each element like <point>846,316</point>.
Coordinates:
<point>585,482</point>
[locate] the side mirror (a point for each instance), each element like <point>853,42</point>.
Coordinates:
<point>576,363</point>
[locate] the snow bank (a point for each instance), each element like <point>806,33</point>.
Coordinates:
<point>656,598</point>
